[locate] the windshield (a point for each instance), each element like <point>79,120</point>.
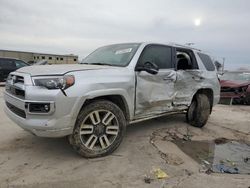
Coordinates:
<point>115,55</point>
<point>236,76</point>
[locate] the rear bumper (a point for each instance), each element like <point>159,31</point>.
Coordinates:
<point>57,123</point>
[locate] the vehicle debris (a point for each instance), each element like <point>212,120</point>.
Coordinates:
<point>160,174</point>
<point>228,157</point>
<point>227,161</point>
<point>227,169</point>
<point>206,162</point>
<point>148,179</point>
<point>155,173</point>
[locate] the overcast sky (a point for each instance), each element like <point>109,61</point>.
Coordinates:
<point>221,27</point>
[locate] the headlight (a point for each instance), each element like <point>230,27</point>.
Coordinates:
<point>56,82</point>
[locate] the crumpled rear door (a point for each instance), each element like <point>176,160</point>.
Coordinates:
<point>187,83</point>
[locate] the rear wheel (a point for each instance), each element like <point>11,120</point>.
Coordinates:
<point>99,129</point>
<point>199,111</point>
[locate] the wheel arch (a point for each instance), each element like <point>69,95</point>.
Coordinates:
<point>119,100</point>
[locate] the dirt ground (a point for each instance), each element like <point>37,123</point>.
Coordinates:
<point>29,161</point>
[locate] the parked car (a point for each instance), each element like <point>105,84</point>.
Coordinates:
<point>8,65</point>
<point>114,86</point>
<point>235,87</point>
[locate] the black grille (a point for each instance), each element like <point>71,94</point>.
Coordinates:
<point>16,91</point>
<point>227,89</point>
<point>16,110</point>
<point>234,90</point>
<point>39,107</point>
<point>17,79</point>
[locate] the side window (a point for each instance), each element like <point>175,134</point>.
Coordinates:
<point>185,59</point>
<point>207,62</point>
<point>160,55</point>
<point>7,64</point>
<point>19,64</point>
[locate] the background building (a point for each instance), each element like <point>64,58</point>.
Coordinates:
<point>31,57</point>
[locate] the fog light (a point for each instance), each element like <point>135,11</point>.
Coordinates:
<point>46,107</point>
<point>39,107</point>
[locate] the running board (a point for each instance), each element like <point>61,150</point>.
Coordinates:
<point>156,116</point>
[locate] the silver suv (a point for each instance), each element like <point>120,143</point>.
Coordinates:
<point>116,85</point>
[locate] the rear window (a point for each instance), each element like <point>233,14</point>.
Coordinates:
<point>207,62</point>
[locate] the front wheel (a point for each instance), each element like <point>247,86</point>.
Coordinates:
<point>199,111</point>
<point>99,129</point>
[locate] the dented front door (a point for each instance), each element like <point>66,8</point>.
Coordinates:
<point>154,93</point>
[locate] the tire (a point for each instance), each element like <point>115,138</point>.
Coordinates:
<point>99,129</point>
<point>199,111</point>
<point>247,100</point>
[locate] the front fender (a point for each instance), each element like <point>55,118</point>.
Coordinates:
<point>105,92</point>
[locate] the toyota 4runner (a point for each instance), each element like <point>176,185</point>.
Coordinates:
<point>116,85</point>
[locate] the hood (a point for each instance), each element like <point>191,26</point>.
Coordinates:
<point>40,70</point>
<point>233,84</point>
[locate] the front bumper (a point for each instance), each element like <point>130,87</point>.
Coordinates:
<point>235,98</point>
<point>232,95</point>
<point>56,123</point>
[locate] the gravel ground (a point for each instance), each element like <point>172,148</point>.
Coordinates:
<point>29,161</point>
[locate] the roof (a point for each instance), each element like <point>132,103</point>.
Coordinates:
<point>184,46</point>
<point>174,45</point>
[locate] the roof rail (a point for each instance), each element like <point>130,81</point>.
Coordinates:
<point>185,46</point>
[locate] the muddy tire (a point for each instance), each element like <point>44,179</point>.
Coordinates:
<point>99,129</point>
<point>199,111</point>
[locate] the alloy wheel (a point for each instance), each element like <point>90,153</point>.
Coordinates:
<point>99,130</point>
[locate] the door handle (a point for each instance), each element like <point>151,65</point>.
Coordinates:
<point>197,78</point>
<point>168,78</point>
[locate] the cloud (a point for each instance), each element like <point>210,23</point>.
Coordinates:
<point>80,26</point>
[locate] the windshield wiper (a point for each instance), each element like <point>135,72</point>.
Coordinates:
<point>102,64</point>
<point>98,64</point>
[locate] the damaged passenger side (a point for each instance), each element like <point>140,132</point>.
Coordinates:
<point>188,74</point>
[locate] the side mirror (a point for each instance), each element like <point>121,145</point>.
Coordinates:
<point>149,67</point>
